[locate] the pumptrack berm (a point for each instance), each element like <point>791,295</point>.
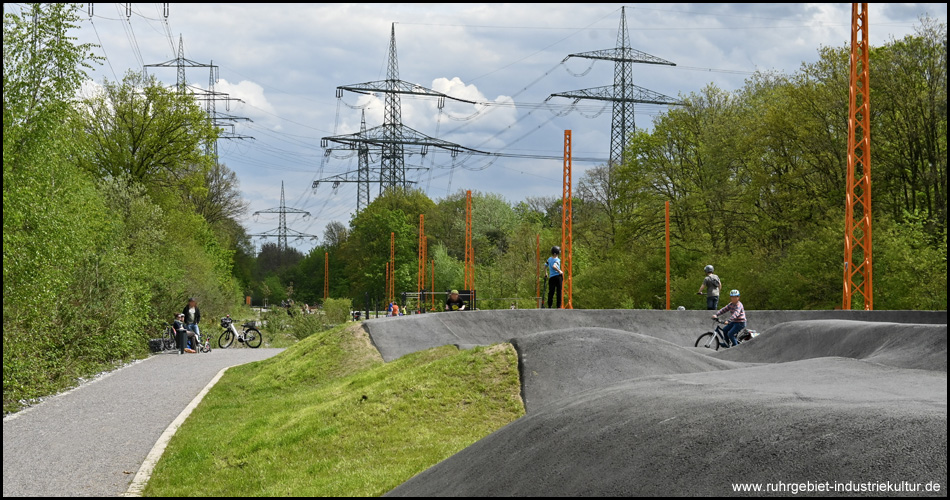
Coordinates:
<point>618,402</point>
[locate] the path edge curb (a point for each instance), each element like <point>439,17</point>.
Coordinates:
<point>137,486</point>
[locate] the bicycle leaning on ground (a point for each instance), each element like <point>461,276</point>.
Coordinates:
<point>250,336</point>
<point>713,339</point>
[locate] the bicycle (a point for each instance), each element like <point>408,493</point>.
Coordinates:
<point>713,340</point>
<point>250,336</point>
<point>167,338</point>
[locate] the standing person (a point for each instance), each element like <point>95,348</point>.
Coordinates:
<point>192,315</point>
<point>736,322</point>
<point>555,275</point>
<point>711,285</point>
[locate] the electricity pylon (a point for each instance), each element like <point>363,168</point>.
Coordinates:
<point>393,139</point>
<point>623,93</point>
<point>282,230</point>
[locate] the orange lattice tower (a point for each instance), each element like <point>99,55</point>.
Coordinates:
<point>567,224</point>
<point>392,267</point>
<point>857,222</point>
<point>421,277</point>
<point>469,250</point>
<point>537,276</point>
<point>667,255</point>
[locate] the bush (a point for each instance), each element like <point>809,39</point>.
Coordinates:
<point>337,311</point>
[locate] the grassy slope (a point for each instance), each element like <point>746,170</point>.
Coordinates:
<point>328,418</point>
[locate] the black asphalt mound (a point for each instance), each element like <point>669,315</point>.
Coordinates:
<point>395,337</point>
<point>894,344</point>
<point>562,363</point>
<point>819,420</point>
<point>620,403</point>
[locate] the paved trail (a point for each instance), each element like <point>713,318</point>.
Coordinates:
<point>92,440</point>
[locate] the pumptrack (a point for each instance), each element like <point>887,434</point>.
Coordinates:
<point>619,402</point>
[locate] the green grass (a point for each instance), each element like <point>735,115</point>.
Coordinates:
<point>328,418</point>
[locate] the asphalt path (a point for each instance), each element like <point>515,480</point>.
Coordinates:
<point>91,441</point>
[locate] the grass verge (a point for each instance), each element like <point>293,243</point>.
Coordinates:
<point>328,418</point>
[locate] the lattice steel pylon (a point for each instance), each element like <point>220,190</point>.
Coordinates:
<point>393,139</point>
<point>857,233</point>
<point>623,93</point>
<point>567,227</point>
<point>282,230</point>
<point>469,249</point>
<point>209,96</point>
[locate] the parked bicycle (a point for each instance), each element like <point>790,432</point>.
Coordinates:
<point>716,339</point>
<point>250,336</point>
<point>167,338</point>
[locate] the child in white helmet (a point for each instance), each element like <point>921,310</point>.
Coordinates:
<point>737,322</point>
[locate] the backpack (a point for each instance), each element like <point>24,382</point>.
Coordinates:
<point>718,283</point>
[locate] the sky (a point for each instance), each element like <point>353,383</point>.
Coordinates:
<point>285,62</point>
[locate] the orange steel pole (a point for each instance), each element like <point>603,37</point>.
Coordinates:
<point>326,275</point>
<point>667,255</point>
<point>537,275</point>
<point>421,275</point>
<point>857,233</point>
<point>469,250</point>
<point>392,267</point>
<point>567,223</point>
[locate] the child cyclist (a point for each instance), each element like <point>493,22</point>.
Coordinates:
<point>736,322</point>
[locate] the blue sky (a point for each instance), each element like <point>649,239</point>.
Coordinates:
<point>286,60</point>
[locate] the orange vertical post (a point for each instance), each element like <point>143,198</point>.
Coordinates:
<point>857,232</point>
<point>667,255</point>
<point>326,275</point>
<point>537,275</point>
<point>421,275</point>
<point>469,250</point>
<point>567,223</point>
<point>392,267</point>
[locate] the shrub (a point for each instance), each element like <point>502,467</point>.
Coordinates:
<point>337,311</point>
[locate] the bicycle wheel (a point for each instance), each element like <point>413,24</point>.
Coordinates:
<point>226,339</point>
<point>253,337</point>
<point>168,339</point>
<point>709,340</point>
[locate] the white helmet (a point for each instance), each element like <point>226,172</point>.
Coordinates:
<point>708,268</point>
<point>734,293</point>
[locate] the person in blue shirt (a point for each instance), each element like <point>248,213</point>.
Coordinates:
<point>555,276</point>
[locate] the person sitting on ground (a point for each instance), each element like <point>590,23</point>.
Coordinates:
<point>737,322</point>
<point>179,326</point>
<point>454,302</point>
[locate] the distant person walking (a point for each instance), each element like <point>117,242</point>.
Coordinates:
<point>192,315</point>
<point>711,285</point>
<point>555,276</point>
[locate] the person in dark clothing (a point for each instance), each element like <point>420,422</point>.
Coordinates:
<point>555,276</point>
<point>192,315</point>
<point>179,326</point>
<point>454,302</point>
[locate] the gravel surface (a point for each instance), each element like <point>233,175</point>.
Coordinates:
<point>91,441</point>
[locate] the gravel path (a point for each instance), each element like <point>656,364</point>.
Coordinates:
<point>92,440</point>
